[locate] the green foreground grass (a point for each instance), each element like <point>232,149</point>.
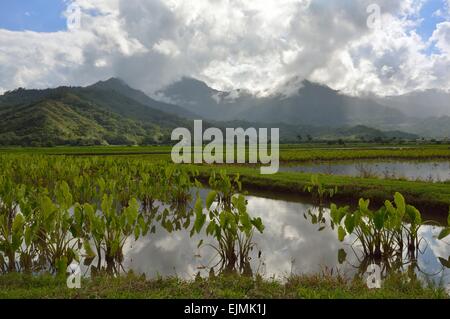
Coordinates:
<point>14,286</point>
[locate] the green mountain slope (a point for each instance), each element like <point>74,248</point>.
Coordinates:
<point>81,116</point>
<point>120,87</point>
<point>303,133</point>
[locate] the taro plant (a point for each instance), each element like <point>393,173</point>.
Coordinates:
<point>82,228</point>
<point>28,251</point>
<point>381,233</point>
<point>229,222</point>
<point>181,184</point>
<point>109,229</point>
<point>55,241</point>
<point>18,227</point>
<point>12,223</point>
<point>411,226</point>
<point>83,190</point>
<point>149,191</point>
<point>320,194</point>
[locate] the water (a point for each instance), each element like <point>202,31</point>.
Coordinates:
<point>436,171</point>
<point>290,245</point>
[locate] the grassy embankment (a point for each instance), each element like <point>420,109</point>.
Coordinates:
<point>431,196</point>
<point>131,286</point>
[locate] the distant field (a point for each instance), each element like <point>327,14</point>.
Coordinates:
<point>89,150</point>
<point>288,152</point>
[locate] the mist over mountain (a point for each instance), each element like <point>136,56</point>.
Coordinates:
<point>312,104</point>
<point>208,103</point>
<point>421,104</point>
<point>431,127</point>
<point>317,105</point>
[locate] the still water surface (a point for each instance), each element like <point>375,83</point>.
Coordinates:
<point>436,171</point>
<point>290,245</point>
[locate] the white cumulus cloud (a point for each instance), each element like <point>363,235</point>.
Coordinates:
<point>257,45</point>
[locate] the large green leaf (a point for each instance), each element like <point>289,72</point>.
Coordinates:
<point>350,223</point>
<point>342,256</point>
<point>200,218</point>
<point>245,220</point>
<point>341,233</point>
<point>18,223</point>
<point>258,223</point>
<point>88,249</point>
<point>211,228</point>
<point>390,208</point>
<point>413,215</point>
<point>379,218</point>
<point>337,214</point>
<point>210,199</point>
<point>363,204</point>
<point>132,211</point>
<point>400,203</point>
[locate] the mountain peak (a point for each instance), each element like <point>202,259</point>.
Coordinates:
<point>110,83</point>
<point>307,85</point>
<point>119,86</point>
<point>191,84</point>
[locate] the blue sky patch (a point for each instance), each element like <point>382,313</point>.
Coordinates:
<point>430,19</point>
<point>34,15</point>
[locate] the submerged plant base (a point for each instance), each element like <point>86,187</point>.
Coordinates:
<point>223,287</point>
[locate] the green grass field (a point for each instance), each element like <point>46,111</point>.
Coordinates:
<point>232,287</point>
<point>288,153</point>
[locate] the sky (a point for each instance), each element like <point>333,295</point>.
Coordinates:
<point>432,14</point>
<point>262,46</point>
<point>35,15</point>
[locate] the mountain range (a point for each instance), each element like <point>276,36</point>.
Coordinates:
<point>425,113</point>
<point>312,105</point>
<point>111,112</point>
